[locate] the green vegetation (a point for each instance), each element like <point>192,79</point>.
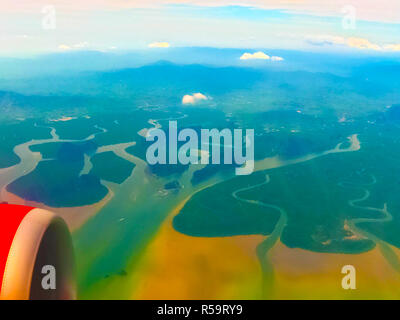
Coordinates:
<point>12,134</point>
<point>108,166</point>
<point>58,184</point>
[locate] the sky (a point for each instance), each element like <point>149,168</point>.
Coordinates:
<point>29,27</point>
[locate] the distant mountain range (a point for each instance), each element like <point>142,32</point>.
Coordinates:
<point>366,89</point>
<point>72,62</point>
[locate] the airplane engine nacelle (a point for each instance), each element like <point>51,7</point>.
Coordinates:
<point>36,255</point>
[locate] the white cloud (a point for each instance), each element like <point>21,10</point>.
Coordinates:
<point>321,40</point>
<point>193,99</point>
<point>64,47</point>
<point>81,45</point>
<point>275,58</point>
<point>257,55</point>
<point>352,42</point>
<point>77,46</point>
<point>159,45</point>
<point>362,43</point>
<point>392,47</point>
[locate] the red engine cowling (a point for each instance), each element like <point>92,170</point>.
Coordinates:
<point>36,255</point>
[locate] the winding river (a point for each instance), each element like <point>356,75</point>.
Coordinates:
<point>269,242</point>
<point>122,228</point>
<point>385,248</point>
